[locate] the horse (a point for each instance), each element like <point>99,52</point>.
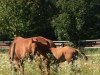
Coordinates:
<point>66,53</point>
<point>19,49</point>
<point>43,51</point>
<point>22,48</point>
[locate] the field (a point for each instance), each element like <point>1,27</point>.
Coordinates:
<point>81,67</point>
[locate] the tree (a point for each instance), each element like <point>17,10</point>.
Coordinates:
<point>26,18</point>
<point>75,20</point>
<point>70,19</point>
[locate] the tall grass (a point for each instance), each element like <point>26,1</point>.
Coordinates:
<point>81,67</point>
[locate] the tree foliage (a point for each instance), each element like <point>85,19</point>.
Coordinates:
<point>72,21</point>
<point>26,18</point>
<point>61,19</point>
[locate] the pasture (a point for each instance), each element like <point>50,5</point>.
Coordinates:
<point>80,67</point>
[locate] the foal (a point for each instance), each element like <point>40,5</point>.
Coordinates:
<point>69,53</point>
<point>65,53</point>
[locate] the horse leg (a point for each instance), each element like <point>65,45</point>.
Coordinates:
<point>15,67</point>
<point>47,66</point>
<point>44,66</point>
<point>21,64</point>
<point>55,66</point>
<point>40,63</point>
<point>22,69</point>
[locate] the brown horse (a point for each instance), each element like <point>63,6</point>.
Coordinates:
<point>66,53</point>
<point>43,49</point>
<point>28,47</point>
<point>19,50</point>
<point>44,41</point>
<point>69,53</point>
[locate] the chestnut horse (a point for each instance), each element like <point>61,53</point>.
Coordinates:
<point>66,53</point>
<point>43,51</point>
<point>19,50</point>
<point>28,47</point>
<point>69,53</point>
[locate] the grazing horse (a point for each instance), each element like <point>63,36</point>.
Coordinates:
<point>44,41</point>
<point>66,53</point>
<point>69,53</point>
<point>28,47</point>
<point>43,49</point>
<point>19,50</point>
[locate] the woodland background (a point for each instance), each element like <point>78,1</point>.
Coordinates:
<point>54,19</point>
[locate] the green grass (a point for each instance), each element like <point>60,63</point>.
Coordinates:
<point>92,51</point>
<point>81,67</point>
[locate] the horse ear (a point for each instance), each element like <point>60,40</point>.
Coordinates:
<point>34,40</point>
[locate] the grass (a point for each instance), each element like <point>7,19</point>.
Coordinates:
<point>81,67</point>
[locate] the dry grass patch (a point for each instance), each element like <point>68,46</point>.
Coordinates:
<point>81,67</point>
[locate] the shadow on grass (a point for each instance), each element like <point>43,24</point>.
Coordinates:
<point>3,50</point>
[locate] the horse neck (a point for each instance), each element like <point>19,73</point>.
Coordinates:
<point>53,50</point>
<point>56,52</point>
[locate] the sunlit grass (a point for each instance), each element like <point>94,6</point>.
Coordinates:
<point>4,65</point>
<point>81,67</point>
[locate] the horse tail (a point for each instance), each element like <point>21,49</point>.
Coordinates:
<point>83,54</point>
<point>13,51</point>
